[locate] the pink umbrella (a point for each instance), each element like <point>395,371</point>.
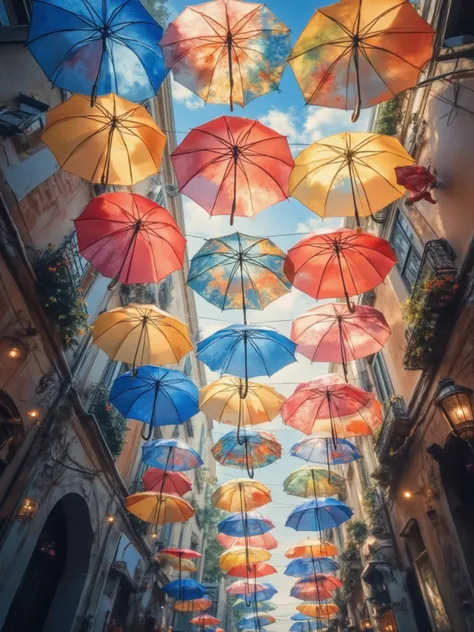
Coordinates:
<point>155,480</point>
<point>243,586</point>
<point>264,541</point>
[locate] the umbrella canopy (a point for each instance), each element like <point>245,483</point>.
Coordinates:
<point>261,591</point>
<point>309,566</point>
<point>155,480</point>
<point>349,174</point>
<point>239,272</point>
<point>155,396</point>
<point>227,51</point>
<point>339,264</point>
<point>114,142</point>
<point>328,405</point>
<point>252,570</point>
<point>325,451</point>
<point>353,55</point>
<point>159,508</point>
<point>265,541</point>
<point>317,587</point>
<point>130,238</point>
<point>241,494</point>
<point>141,335</point>
<point>246,448</point>
<point>241,556</point>
<point>96,47</point>
<point>316,593</point>
<point>319,610</point>
<point>255,622</point>
<point>301,617</point>
<point>194,605</point>
<point>172,455</point>
<point>307,625</point>
<point>185,554</point>
<point>310,482</point>
<point>319,514</point>
<point>311,547</point>
<point>250,524</point>
<point>179,564</point>
<point>205,620</point>
<point>261,606</point>
<point>184,589</point>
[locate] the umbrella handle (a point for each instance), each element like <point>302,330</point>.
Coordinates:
<point>251,469</point>
<point>147,436</point>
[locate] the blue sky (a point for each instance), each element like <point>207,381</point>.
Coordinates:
<point>287,114</point>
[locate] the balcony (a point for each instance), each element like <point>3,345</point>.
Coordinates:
<point>395,427</point>
<point>431,306</point>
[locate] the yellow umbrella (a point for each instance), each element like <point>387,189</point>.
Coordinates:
<point>113,141</point>
<point>310,482</point>
<point>193,605</point>
<point>311,547</point>
<point>221,400</point>
<point>141,334</point>
<point>241,494</point>
<point>159,508</point>
<point>349,174</point>
<point>179,564</point>
<point>318,610</point>
<point>241,555</point>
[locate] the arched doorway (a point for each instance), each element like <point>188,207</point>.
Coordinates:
<point>49,593</point>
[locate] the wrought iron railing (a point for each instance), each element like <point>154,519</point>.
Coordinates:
<point>395,422</point>
<point>77,265</point>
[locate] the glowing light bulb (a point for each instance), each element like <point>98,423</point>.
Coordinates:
<point>33,413</point>
<point>407,494</point>
<point>14,353</point>
<point>111,519</point>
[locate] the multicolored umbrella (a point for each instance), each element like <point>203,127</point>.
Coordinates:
<point>252,570</point>
<point>353,55</point>
<point>205,620</point>
<point>311,547</point>
<point>319,610</point>
<point>113,142</point>
<point>309,566</point>
<point>323,451</point>
<point>301,617</point>
<point>97,47</point>
<point>155,396</point>
<point>178,564</point>
<point>251,524</point>
<point>259,591</point>
<point>129,238</point>
<point>159,508</point>
<point>194,605</point>
<point>233,166</point>
<point>316,593</point>
<point>171,455</point>
<point>339,264</point>
<point>227,51</point>
<point>319,514</point>
<point>242,556</point>
<point>316,588</point>
<point>310,482</point>
<point>239,272</point>
<point>245,448</point>
<point>265,541</point>
<point>260,606</point>
<point>155,480</point>
<point>255,622</point>
<point>185,554</point>
<point>241,494</point>
<point>184,589</point>
<point>307,625</point>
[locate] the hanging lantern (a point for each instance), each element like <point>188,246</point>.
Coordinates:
<point>28,510</point>
<point>455,403</point>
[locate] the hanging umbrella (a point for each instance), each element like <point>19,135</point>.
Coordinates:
<point>301,617</point>
<point>227,51</point>
<point>114,142</point>
<point>311,547</point>
<point>330,582</point>
<point>185,554</point>
<point>254,523</point>
<point>184,589</point>
<point>319,610</point>
<point>247,449</point>
<point>309,566</point>
<point>353,55</point>
<point>252,570</point>
<point>171,455</point>
<point>315,594</point>
<point>255,622</point>
<point>339,264</point>
<point>155,396</point>
<point>328,406</point>
<point>260,606</point>
<point>319,514</point>
<point>141,335</point>
<point>158,508</point>
<point>242,495</point>
<point>97,47</point>
<point>194,605</point>
<point>178,564</point>
<point>324,451</point>
<point>261,591</point>
<point>307,625</point>
<point>265,541</point>
<point>130,238</point>
<point>241,556</point>
<point>234,166</point>
<point>316,588</point>
<point>205,620</point>
<point>335,332</point>
<point>171,482</point>
<point>310,482</point>
<point>239,272</point>
<point>349,174</point>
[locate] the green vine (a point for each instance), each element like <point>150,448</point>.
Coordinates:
<point>211,517</point>
<point>349,559</point>
<point>113,426</point>
<point>388,116</point>
<point>140,527</point>
<point>357,531</point>
<point>383,475</point>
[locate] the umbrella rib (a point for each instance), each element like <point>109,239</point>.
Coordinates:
<point>85,140</point>
<point>377,18</point>
<point>219,57</point>
<point>266,173</point>
<point>389,52</point>
<point>327,74</point>
<point>76,15</point>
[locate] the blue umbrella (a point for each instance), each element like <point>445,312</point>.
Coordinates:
<point>155,396</point>
<point>308,625</point>
<point>318,450</point>
<point>268,593</point>
<point>253,623</point>
<point>262,606</point>
<point>171,455</point>
<point>309,566</point>
<point>301,617</point>
<point>184,589</point>
<point>319,514</point>
<point>253,523</point>
<point>95,47</point>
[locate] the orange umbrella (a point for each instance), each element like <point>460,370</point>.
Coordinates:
<point>319,610</point>
<point>252,570</point>
<point>311,547</point>
<point>205,620</point>
<point>241,494</point>
<point>194,605</point>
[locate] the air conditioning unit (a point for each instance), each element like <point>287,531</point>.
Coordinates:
<point>171,190</point>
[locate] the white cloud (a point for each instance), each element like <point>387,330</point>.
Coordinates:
<point>185,97</point>
<point>198,222</point>
<point>285,123</point>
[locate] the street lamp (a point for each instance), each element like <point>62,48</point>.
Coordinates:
<point>455,403</point>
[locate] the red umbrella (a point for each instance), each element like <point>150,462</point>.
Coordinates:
<point>339,264</point>
<point>318,587</point>
<point>329,407</point>
<point>130,238</point>
<point>265,541</point>
<point>242,586</point>
<point>233,166</point>
<point>204,620</point>
<point>252,570</point>
<point>186,554</point>
<point>155,480</point>
<point>337,333</point>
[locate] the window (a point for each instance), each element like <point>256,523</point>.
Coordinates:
<point>383,383</point>
<point>460,23</point>
<point>25,118</point>
<point>403,240</point>
<point>15,12</point>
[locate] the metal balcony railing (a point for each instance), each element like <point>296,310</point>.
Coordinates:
<point>77,265</point>
<point>394,428</point>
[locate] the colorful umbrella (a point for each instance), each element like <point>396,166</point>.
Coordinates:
<point>247,449</point>
<point>349,174</point>
<point>328,406</point>
<point>141,334</point>
<point>158,508</point>
<point>114,142</point>
<point>194,605</point>
<point>310,482</point>
<point>185,554</point>
<point>227,51</point>
<point>261,591</point>
<point>155,396</point>
<point>339,264</point>
<point>181,565</point>
<point>242,556</point>
<point>301,617</point>
<point>265,541</point>
<point>234,166</point>
<point>129,238</point>
<point>170,482</point>
<point>319,610</point>
<point>253,523</point>
<point>309,566</point>
<point>307,625</point>
<point>97,47</point>
<point>252,570</point>
<point>324,451</point>
<point>205,620</point>
<point>241,494</point>
<point>353,55</point>
<point>260,606</point>
<point>316,588</point>
<point>311,547</point>
<point>316,593</point>
<point>184,589</point>
<point>239,272</point>
<point>319,514</point>
<point>255,622</point>
<point>171,455</point>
